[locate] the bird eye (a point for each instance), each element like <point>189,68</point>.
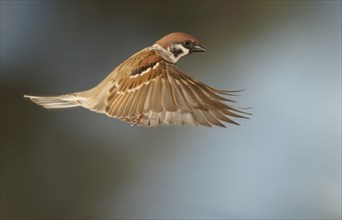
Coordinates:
<point>187,43</point>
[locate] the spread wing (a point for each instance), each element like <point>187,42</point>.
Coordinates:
<point>157,93</point>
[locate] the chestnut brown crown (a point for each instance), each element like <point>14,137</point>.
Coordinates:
<point>176,45</point>
<point>176,37</point>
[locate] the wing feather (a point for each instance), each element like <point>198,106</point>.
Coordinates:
<point>141,101</point>
<point>154,92</point>
<point>221,116</point>
<point>154,119</point>
<point>168,101</point>
<point>212,119</point>
<point>123,104</point>
<point>200,118</point>
<point>177,92</point>
<point>128,105</point>
<point>209,90</point>
<point>201,98</point>
<point>156,103</point>
<point>116,105</point>
<point>147,101</point>
<point>194,101</point>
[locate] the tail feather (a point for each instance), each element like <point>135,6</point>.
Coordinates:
<point>54,102</point>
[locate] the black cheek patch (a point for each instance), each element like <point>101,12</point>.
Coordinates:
<point>176,51</point>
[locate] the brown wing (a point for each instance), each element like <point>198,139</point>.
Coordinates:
<point>157,93</point>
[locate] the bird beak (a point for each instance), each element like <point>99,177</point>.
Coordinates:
<point>198,48</point>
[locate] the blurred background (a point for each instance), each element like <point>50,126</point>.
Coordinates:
<point>285,162</point>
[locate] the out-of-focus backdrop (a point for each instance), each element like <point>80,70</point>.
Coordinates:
<point>285,162</point>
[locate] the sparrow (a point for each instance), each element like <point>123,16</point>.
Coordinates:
<point>148,89</point>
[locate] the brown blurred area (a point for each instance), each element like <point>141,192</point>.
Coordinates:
<point>282,163</point>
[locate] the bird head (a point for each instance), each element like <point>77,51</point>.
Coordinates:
<point>176,45</point>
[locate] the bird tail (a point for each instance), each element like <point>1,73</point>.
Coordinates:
<point>55,102</point>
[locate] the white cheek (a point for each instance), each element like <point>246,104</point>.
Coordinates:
<point>185,51</point>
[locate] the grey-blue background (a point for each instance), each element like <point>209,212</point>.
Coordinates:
<point>285,162</point>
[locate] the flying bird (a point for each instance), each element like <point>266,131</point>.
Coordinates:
<point>148,89</point>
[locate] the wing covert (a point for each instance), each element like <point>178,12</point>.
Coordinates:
<point>157,93</point>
